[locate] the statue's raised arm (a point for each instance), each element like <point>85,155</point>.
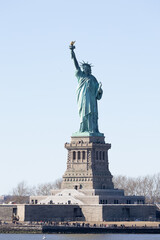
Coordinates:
<point>73,56</point>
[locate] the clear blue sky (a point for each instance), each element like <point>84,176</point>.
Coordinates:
<point>38,109</point>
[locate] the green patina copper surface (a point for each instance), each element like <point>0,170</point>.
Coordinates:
<point>88,92</point>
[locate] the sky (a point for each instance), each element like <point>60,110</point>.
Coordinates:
<point>38,109</point>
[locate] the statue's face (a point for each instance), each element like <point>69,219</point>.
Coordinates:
<point>86,69</point>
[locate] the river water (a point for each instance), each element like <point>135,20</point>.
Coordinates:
<point>80,237</point>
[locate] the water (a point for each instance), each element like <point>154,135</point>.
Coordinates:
<point>80,237</point>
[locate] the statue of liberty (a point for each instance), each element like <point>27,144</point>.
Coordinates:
<point>88,92</point>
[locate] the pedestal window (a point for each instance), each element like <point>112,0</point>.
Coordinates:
<point>79,155</point>
<point>74,155</point>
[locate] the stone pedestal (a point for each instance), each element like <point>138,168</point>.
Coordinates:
<point>87,164</point>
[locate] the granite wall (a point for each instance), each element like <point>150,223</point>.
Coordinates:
<point>121,212</point>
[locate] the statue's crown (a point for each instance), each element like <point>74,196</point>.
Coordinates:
<point>86,63</point>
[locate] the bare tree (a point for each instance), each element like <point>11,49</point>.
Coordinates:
<point>148,186</point>
<point>45,188</point>
<point>20,194</point>
<point>21,189</point>
<point>57,183</point>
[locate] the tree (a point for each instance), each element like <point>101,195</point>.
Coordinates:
<point>148,186</point>
<point>45,188</point>
<point>57,183</point>
<point>20,194</point>
<point>21,190</point>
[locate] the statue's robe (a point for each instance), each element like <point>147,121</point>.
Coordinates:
<point>87,96</point>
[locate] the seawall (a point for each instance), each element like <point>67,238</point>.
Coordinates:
<point>50,229</point>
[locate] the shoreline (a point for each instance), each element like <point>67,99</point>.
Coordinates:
<point>99,230</point>
<point>82,228</point>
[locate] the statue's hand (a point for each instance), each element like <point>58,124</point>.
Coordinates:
<point>72,53</point>
<point>100,84</point>
<point>99,91</point>
<point>72,47</point>
<point>100,87</point>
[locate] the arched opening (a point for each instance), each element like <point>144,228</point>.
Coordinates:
<point>83,155</point>
<point>79,155</point>
<point>100,155</point>
<point>103,155</point>
<point>74,155</point>
<point>96,155</point>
